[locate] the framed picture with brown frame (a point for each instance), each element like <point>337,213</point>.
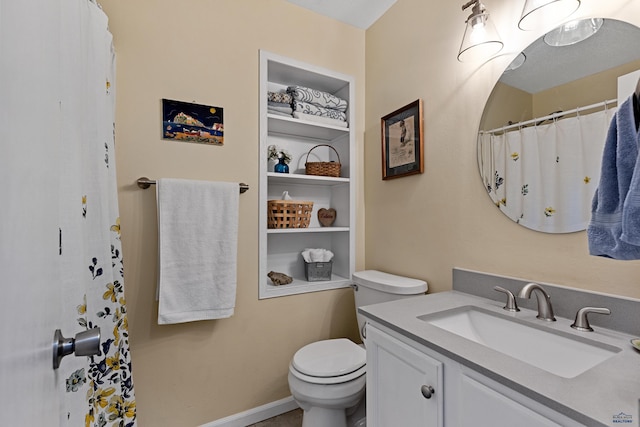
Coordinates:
<point>402,142</point>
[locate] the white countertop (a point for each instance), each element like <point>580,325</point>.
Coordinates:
<point>592,398</point>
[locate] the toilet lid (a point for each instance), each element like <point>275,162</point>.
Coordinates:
<point>329,358</point>
<point>390,283</point>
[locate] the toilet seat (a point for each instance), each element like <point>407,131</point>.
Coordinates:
<point>329,362</point>
<point>328,380</point>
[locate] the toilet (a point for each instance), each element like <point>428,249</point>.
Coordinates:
<point>327,378</point>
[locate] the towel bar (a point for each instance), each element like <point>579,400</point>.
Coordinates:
<point>144,183</point>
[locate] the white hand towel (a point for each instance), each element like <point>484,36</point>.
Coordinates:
<point>198,246</point>
<point>317,255</point>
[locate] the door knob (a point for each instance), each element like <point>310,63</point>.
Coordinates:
<point>427,391</point>
<point>85,343</point>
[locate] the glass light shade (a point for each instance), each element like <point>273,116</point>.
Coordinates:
<point>517,62</point>
<point>573,32</point>
<point>480,40</point>
<point>542,13</point>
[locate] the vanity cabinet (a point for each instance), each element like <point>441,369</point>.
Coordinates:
<point>398,369</point>
<point>280,249</point>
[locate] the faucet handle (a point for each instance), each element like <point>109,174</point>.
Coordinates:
<point>511,299</point>
<point>581,322</point>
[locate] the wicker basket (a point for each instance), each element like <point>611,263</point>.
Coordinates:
<point>288,213</point>
<point>323,168</point>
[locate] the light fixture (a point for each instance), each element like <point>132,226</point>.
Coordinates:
<point>517,62</point>
<point>573,32</point>
<point>542,13</point>
<point>481,39</point>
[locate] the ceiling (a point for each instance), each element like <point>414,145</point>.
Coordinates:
<point>358,13</point>
<point>610,47</point>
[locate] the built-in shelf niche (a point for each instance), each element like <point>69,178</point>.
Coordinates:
<point>280,248</point>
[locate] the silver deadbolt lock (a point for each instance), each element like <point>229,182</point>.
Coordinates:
<point>85,343</point>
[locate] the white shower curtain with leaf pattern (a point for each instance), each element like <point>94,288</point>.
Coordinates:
<point>98,389</point>
<point>544,177</point>
<point>90,252</point>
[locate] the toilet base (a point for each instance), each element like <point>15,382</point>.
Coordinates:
<point>357,416</point>
<point>323,417</point>
<point>327,405</point>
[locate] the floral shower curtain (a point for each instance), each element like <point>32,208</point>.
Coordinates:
<point>98,390</point>
<point>544,177</point>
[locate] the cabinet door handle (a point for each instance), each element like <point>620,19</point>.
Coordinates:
<point>427,391</point>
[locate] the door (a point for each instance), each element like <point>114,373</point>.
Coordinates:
<point>404,385</point>
<point>60,257</point>
<point>489,404</point>
<point>29,197</point>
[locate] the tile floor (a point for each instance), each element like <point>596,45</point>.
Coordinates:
<point>288,419</point>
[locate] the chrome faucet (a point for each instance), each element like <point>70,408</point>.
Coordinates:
<point>581,322</point>
<point>545,311</point>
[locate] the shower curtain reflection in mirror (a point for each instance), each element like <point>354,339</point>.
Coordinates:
<point>544,176</point>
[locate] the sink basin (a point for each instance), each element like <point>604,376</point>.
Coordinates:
<point>561,354</point>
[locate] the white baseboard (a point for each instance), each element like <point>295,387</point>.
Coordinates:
<point>256,415</point>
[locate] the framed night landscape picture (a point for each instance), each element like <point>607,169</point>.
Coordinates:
<point>189,122</point>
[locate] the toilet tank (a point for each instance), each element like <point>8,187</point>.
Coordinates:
<point>372,287</point>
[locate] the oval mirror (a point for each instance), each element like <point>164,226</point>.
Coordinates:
<point>544,125</point>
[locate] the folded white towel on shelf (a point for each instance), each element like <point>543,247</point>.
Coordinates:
<point>317,255</point>
<point>197,249</point>
<point>286,110</point>
<point>279,113</point>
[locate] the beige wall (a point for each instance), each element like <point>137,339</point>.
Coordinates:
<point>207,52</point>
<point>585,91</point>
<point>424,225</point>
<point>421,226</point>
<point>508,104</point>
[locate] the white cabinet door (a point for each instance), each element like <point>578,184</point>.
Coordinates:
<point>484,404</point>
<point>398,381</point>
